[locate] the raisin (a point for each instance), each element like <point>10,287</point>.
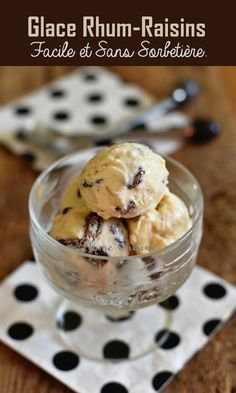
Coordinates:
<point>87,184</point>
<point>114,229</point>
<point>100,251</point>
<point>150,263</point>
<point>93,225</point>
<point>148,260</point>
<point>155,276</point>
<point>98,181</point>
<point>121,243</point>
<point>138,178</point>
<point>76,243</point>
<point>118,235</point>
<point>81,243</point>
<point>65,211</point>
<point>131,205</point>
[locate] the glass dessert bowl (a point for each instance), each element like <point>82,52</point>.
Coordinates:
<point>112,288</point>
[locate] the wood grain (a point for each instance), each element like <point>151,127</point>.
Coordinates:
<point>213,369</point>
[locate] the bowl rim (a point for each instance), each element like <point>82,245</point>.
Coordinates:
<point>156,252</point>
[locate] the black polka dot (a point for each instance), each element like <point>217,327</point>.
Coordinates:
<point>20,331</point>
<point>160,379</point>
<point>67,209</point>
<point>28,156</point>
<point>22,110</point>
<point>214,290</point>
<point>57,93</point>
<point>116,350</point>
<point>210,326</point>
<point>166,339</point>
<point>26,292</point>
<point>98,120</point>
<point>132,101</point>
<point>113,387</point>
<point>21,134</point>
<point>121,319</point>
<point>90,77</point>
<point>95,98</point>
<point>61,116</point>
<point>70,320</point>
<point>66,360</point>
<point>171,303</point>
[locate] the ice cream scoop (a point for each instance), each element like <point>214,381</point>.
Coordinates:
<point>123,180</point>
<point>90,233</point>
<point>159,227</point>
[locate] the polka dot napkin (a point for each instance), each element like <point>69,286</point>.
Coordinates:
<point>28,325</point>
<point>42,126</point>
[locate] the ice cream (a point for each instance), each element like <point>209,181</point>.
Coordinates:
<point>90,233</point>
<point>72,197</point>
<point>123,180</point>
<point>159,227</point>
<point>120,204</point>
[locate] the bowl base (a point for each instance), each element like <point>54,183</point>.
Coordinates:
<point>115,336</point>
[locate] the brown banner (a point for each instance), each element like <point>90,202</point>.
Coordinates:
<point>118,34</point>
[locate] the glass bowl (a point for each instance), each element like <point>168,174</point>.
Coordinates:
<point>112,285</point>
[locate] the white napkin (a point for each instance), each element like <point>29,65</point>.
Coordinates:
<point>27,325</point>
<point>88,100</point>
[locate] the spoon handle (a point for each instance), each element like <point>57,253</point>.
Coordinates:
<point>182,94</point>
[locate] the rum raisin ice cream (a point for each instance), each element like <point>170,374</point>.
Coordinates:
<point>120,205</point>
<point>124,180</point>
<point>90,233</point>
<point>72,198</point>
<point>159,227</point>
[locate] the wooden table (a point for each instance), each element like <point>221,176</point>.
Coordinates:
<point>213,370</point>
